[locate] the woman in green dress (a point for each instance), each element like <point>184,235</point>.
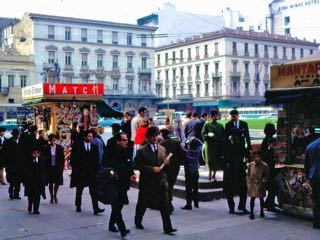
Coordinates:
<point>214,136</point>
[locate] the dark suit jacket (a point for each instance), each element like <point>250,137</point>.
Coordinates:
<point>2,156</point>
<point>193,129</point>
<point>59,162</point>
<point>243,127</point>
<point>145,160</point>
<point>111,144</point>
<point>34,176</point>
<point>14,160</point>
<point>84,165</point>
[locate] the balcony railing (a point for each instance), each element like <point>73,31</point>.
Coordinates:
<point>216,54</point>
<point>159,81</point>
<point>144,70</point>
<point>198,78</point>
<point>217,75</point>
<point>84,68</point>
<point>48,66</point>
<point>197,57</point>
<point>4,91</point>
<point>68,68</point>
<point>206,76</point>
<point>130,70</point>
<point>189,78</point>
<point>235,74</point>
<point>100,68</point>
<point>181,79</point>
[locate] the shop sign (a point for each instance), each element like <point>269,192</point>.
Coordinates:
<point>305,74</point>
<point>33,91</point>
<point>72,89</point>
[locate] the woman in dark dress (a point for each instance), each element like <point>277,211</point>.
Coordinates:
<point>55,166</point>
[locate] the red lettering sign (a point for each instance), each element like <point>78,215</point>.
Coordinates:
<point>299,69</point>
<point>72,89</point>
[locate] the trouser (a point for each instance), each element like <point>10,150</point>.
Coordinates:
<point>272,192</point>
<point>192,192</point>
<point>14,189</point>
<point>242,196</point>
<point>79,191</point>
<point>252,200</point>
<point>116,216</point>
<point>34,200</point>
<point>172,178</point>
<point>315,183</point>
<point>164,207</point>
<point>1,175</point>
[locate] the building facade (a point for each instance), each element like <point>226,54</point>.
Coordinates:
<point>225,68</point>
<point>168,18</point>
<point>73,50</point>
<point>295,17</point>
<point>16,71</point>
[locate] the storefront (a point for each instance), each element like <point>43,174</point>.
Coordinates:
<point>57,106</point>
<point>297,87</point>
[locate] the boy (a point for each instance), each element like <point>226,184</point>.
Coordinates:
<point>258,174</point>
<point>34,180</point>
<point>191,166</point>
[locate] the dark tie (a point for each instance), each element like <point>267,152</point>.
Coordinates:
<point>155,150</point>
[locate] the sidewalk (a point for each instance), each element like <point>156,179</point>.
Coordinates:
<point>210,221</point>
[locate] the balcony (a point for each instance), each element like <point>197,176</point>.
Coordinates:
<point>266,56</point>
<point>68,68</point>
<point>189,79</point>
<point>217,76</point>
<point>115,73</point>
<point>144,71</point>
<point>181,79</point>
<point>130,71</point>
<point>234,53</point>
<point>266,78</point>
<point>275,56</point>
<point>197,57</point>
<point>256,55</point>
<point>206,56</point>
<point>84,68</point>
<point>216,54</point>
<point>189,59</point>
<point>100,68</point>
<point>198,78</point>
<point>48,66</point>
<point>167,82</point>
<point>235,76</point>
<point>159,82</point>
<point>4,91</point>
<point>246,77</point>
<point>206,76</point>
<point>246,54</point>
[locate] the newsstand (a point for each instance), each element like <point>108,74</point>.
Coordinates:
<point>295,86</point>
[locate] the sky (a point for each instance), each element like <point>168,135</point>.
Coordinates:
<point>127,11</point>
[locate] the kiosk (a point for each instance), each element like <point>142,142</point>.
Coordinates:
<point>297,87</point>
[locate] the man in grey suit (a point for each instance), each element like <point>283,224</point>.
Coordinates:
<point>151,160</point>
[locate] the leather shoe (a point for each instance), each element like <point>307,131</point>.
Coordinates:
<point>30,208</point>
<point>244,210</point>
<point>97,211</point>
<point>232,212</point>
<point>139,226</point>
<point>186,207</point>
<point>36,212</point>
<point>173,230</point>
<point>125,233</point>
<point>17,197</point>
<point>196,205</point>
<point>113,229</point>
<point>11,196</point>
<point>78,209</point>
<point>169,233</point>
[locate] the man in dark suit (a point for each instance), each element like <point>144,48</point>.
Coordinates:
<point>111,143</point>
<point>192,128</point>
<point>85,162</point>
<point>242,126</point>
<point>153,184</point>
<point>34,179</point>
<point>2,156</point>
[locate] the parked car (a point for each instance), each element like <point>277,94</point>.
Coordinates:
<point>9,127</point>
<point>159,120</point>
<point>107,122</point>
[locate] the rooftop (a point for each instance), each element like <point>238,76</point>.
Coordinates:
<point>87,21</point>
<point>226,32</point>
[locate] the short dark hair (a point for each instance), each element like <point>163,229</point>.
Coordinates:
<point>116,127</point>
<point>234,112</point>
<point>195,114</point>
<point>214,112</point>
<point>33,128</point>
<point>87,132</point>
<point>189,114</point>
<point>142,109</point>
<point>203,115</point>
<point>52,136</point>
<point>165,133</point>
<point>256,153</point>
<point>153,130</point>
<point>118,137</point>
<point>128,114</point>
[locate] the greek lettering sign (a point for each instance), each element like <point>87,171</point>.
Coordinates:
<point>33,91</point>
<point>295,75</point>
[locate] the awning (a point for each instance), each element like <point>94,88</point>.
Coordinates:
<point>205,104</point>
<point>103,109</point>
<point>274,96</point>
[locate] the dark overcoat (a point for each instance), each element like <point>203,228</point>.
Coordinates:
<point>34,176</point>
<point>55,173</point>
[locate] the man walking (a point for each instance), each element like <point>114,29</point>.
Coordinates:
<point>2,156</point>
<point>153,185</point>
<point>85,162</point>
<point>312,166</point>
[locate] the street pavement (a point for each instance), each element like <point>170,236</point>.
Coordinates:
<point>210,221</point>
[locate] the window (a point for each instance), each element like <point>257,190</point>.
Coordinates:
<point>206,69</point>
<point>198,89</point>
<point>129,62</point>
<point>181,55</point>
<point>100,60</point>
<point>189,54</point>
<point>10,80</point>
<point>68,58</point>
<point>158,60</point>
<point>266,52</point>
<point>216,49</point>
<point>287,31</point>
<point>23,80</point>
<point>167,75</point>
<point>130,85</point>
<point>246,87</point>
<point>189,71</point>
<point>84,59</point>
<point>256,88</point>
<point>84,36</point>
<point>99,36</point>
<point>234,48</point>
<point>181,72</point>
<point>114,37</point>
<point>206,88</point>
<point>266,85</point>
<point>246,49</point>
<point>205,51</point>
<point>167,92</point>
<point>174,92</point>
<point>197,53</point>
<point>51,32</point>
<point>115,85</point>
<point>246,67</point>
<point>174,75</point>
<point>67,33</point>
<point>51,57</point>
<point>197,70</point>
<point>129,39</point>
<point>158,74</point>
<point>293,53</point>
<point>284,53</point>
<point>115,61</point>
<point>234,66</point>
<point>143,40</point>
<point>256,50</point>
<point>311,51</point>
<point>181,90</point>
<point>0,82</point>
<point>216,68</point>
<point>275,52</point>
<point>301,53</point>
<point>256,67</point>
<point>167,58</point>
<point>286,20</point>
<point>173,57</point>
<point>144,63</point>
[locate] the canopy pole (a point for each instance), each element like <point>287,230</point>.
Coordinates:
<point>53,125</point>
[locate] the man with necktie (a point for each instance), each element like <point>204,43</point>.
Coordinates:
<point>151,160</point>
<point>84,161</point>
<point>35,178</point>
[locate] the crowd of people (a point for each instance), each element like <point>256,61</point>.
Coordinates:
<point>108,168</point>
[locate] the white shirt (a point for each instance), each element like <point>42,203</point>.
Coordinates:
<point>87,146</point>
<point>53,150</point>
<point>154,147</point>
<point>2,139</point>
<point>35,160</point>
<point>236,123</point>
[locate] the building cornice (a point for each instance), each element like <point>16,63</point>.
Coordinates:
<point>235,34</point>
<point>91,22</point>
